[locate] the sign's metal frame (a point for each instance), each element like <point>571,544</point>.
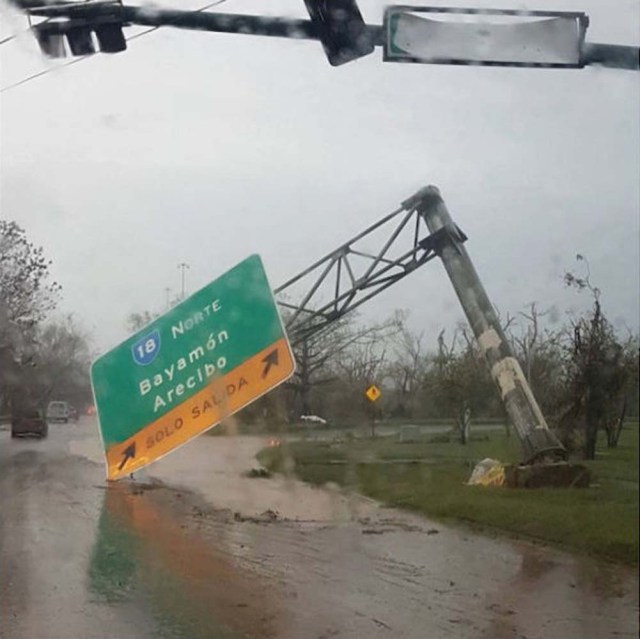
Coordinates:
<point>581,18</point>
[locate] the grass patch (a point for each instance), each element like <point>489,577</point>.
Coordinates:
<point>429,477</point>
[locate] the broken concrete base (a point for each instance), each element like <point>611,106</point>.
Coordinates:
<point>547,475</point>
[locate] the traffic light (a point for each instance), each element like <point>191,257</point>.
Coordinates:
<point>79,36</point>
<point>51,41</point>
<point>110,37</point>
<point>341,29</point>
<point>80,41</point>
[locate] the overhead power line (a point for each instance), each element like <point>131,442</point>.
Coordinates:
<point>85,57</point>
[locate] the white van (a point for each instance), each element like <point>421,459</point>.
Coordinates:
<point>58,412</point>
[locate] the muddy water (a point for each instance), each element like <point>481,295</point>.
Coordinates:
<point>214,466</point>
<point>310,562</point>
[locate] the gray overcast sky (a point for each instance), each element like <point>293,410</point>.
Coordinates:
<point>204,148</point>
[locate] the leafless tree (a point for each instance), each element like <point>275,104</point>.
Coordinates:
<point>336,353</point>
<point>61,364</point>
<point>138,320</point>
<point>407,365</point>
<point>540,354</point>
<point>453,383</point>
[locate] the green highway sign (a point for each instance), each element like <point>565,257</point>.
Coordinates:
<point>203,360</point>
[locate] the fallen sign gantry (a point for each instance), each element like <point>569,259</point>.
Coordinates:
<point>429,232</point>
<point>537,440</point>
<point>335,286</point>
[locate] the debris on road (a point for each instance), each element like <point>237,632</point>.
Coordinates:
<point>258,473</point>
<point>267,517</point>
<point>374,531</point>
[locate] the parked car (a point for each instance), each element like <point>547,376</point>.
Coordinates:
<point>311,420</point>
<point>58,412</point>
<point>31,422</point>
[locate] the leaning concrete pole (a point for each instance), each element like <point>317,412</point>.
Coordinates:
<point>538,442</point>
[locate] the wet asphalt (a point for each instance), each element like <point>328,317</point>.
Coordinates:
<point>194,549</point>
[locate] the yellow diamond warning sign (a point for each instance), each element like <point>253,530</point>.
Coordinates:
<point>373,393</point>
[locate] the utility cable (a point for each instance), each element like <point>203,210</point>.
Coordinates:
<point>85,57</point>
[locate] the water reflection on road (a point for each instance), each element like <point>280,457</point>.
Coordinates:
<point>147,550</point>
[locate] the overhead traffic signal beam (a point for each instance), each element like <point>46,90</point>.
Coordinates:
<point>337,24</point>
<point>536,38</point>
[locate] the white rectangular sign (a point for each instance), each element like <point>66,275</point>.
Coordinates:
<point>484,37</point>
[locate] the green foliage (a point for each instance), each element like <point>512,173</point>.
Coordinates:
<point>26,297</point>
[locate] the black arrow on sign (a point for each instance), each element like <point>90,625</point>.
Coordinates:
<point>128,453</point>
<point>270,360</point>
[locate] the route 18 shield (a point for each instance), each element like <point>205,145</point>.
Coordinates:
<point>146,349</point>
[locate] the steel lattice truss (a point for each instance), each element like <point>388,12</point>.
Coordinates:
<point>352,274</point>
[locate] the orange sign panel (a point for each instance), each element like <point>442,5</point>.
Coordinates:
<point>222,397</point>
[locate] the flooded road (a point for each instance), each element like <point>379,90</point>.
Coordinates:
<point>192,548</point>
